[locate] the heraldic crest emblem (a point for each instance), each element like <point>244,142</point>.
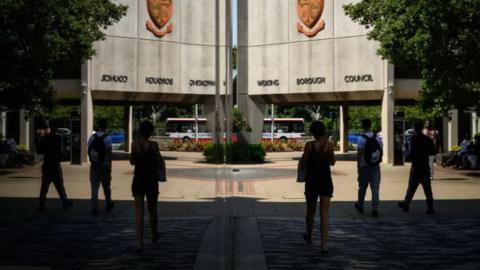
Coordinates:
<point>310,12</point>
<point>160,12</point>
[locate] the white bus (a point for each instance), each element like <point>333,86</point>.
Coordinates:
<point>185,129</point>
<point>284,129</point>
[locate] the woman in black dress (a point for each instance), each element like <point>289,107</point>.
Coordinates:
<point>318,157</point>
<point>145,155</point>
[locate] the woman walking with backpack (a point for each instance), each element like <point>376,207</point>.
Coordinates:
<point>148,171</point>
<point>318,157</point>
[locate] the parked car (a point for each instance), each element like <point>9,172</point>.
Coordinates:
<point>353,137</point>
<point>65,134</point>
<point>118,137</point>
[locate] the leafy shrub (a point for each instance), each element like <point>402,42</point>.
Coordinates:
<point>236,153</point>
<point>214,153</point>
<point>277,146</point>
<point>183,146</point>
<point>121,146</point>
<point>256,153</point>
<point>352,147</point>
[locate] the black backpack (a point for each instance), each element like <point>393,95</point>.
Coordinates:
<point>373,152</point>
<point>97,151</point>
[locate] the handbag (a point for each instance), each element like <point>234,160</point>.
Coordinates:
<point>301,173</point>
<point>161,170</point>
<point>161,167</point>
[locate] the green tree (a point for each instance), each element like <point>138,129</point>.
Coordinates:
<point>113,114</point>
<point>357,113</point>
<point>239,122</point>
<point>162,112</point>
<point>59,116</point>
<point>415,114</point>
<point>234,57</point>
<point>39,37</point>
<point>439,37</point>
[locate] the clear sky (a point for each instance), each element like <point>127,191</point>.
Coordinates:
<point>234,21</point>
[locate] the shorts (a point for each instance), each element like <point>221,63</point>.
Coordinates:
<point>323,186</point>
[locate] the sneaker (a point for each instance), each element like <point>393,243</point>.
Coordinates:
<point>94,212</point>
<point>359,208</point>
<point>110,206</point>
<point>156,237</point>
<point>403,206</point>
<point>67,204</point>
<point>307,239</point>
<point>430,211</point>
<point>375,213</point>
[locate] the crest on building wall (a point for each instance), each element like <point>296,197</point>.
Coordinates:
<point>160,12</point>
<point>310,13</point>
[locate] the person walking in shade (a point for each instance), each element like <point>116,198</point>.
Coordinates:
<point>421,148</point>
<point>100,154</point>
<point>430,132</point>
<point>50,146</point>
<point>318,157</point>
<point>369,156</point>
<point>149,169</point>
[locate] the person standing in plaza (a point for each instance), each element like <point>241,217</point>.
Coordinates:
<point>422,147</point>
<point>100,154</point>
<point>50,146</point>
<point>149,170</point>
<point>318,157</point>
<point>369,156</point>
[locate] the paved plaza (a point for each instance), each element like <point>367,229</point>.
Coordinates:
<point>240,217</point>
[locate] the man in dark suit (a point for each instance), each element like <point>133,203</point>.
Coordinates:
<point>50,146</point>
<point>421,148</point>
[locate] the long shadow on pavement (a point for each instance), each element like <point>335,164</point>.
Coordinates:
<point>74,240</point>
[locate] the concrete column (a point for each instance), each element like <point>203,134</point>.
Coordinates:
<point>24,132</point>
<point>3,123</point>
<point>344,129</point>
<point>86,110</point>
<point>128,127</point>
<point>474,124</point>
<point>453,129</point>
<point>253,109</point>
<point>445,136</point>
<point>388,109</point>
<point>210,113</point>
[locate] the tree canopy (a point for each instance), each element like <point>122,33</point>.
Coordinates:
<point>439,37</point>
<point>38,37</point>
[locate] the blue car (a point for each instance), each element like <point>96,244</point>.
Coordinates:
<point>117,137</point>
<point>353,137</point>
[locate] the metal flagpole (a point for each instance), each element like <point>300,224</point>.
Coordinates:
<point>228,72</point>
<point>273,123</point>
<point>196,122</point>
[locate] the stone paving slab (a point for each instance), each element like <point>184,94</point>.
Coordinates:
<point>104,243</point>
<point>380,244</point>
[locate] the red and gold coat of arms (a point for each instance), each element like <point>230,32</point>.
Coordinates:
<point>310,12</point>
<point>160,12</point>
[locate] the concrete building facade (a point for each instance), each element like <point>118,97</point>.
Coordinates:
<point>289,52</point>
<point>161,51</point>
<point>295,52</point>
